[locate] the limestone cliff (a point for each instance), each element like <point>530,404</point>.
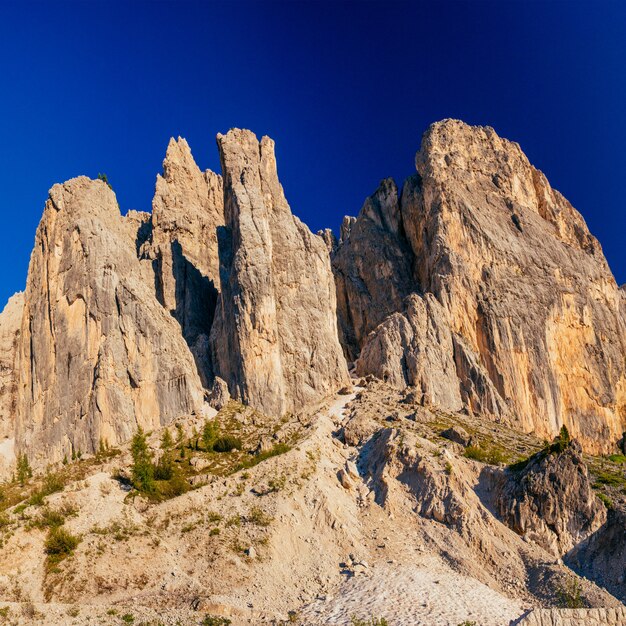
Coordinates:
<point>98,354</point>
<point>373,268</point>
<point>10,324</point>
<point>536,316</point>
<point>187,209</point>
<point>274,340</point>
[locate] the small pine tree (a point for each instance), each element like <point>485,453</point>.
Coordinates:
<point>104,178</point>
<point>143,468</point>
<point>210,433</point>
<point>164,469</point>
<point>180,435</point>
<point>195,439</point>
<point>24,471</point>
<point>167,442</point>
<point>561,441</point>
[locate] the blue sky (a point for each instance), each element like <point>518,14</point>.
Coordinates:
<point>345,88</point>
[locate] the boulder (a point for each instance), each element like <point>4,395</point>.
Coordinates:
<point>219,396</point>
<point>550,500</point>
<point>457,434</point>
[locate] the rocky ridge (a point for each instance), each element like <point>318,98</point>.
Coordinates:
<point>535,315</point>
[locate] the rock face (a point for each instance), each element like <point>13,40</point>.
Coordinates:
<point>98,354</point>
<point>274,340</point>
<point>373,268</point>
<point>10,325</point>
<point>536,318</point>
<point>602,556</point>
<point>187,210</point>
<point>551,502</point>
<point>478,285</point>
<point>415,348</point>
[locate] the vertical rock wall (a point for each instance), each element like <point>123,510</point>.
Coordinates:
<point>275,338</point>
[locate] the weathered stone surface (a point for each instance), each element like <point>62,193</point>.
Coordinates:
<point>525,283</point>
<point>274,338</point>
<point>551,502</point>
<point>537,321</point>
<point>457,434</point>
<point>329,239</point>
<point>575,617</point>
<point>187,210</point>
<point>602,556</point>
<point>219,396</point>
<point>10,326</point>
<point>415,348</point>
<point>98,353</point>
<point>373,268</point>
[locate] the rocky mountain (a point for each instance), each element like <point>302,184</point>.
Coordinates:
<point>535,315</point>
<point>332,425</point>
<point>181,239</point>
<point>477,284</point>
<point>98,354</point>
<point>275,338</point>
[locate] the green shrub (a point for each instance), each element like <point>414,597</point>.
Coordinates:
<point>128,618</point>
<point>175,486</point>
<point>620,459</point>
<point>210,433</point>
<point>570,595</point>
<point>227,443</point>
<point>258,516</point>
<point>492,455</point>
<point>606,478</point>
<point>60,544</point>
<point>561,441</point>
<point>105,180</point>
<point>23,469</point>
<point>279,448</point>
<point>608,503</point>
<point>475,453</point>
<point>142,469</point>
<point>214,620</point>
<point>164,469</point>
<point>167,442</point>
<point>50,518</point>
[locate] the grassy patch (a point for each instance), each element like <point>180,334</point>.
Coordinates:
<point>492,455</point>
<point>60,544</point>
<point>620,459</point>
<point>215,620</point>
<point>279,448</point>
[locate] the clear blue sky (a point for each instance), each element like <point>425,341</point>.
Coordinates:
<point>346,89</point>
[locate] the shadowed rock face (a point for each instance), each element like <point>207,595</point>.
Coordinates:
<point>187,209</point>
<point>536,318</point>
<point>551,502</point>
<point>98,354</point>
<point>373,268</point>
<point>602,557</point>
<point>274,340</point>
